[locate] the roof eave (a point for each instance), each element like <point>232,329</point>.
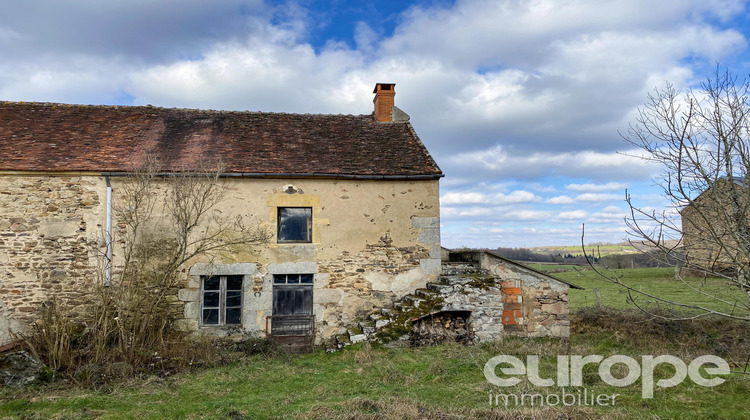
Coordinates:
<point>308,175</point>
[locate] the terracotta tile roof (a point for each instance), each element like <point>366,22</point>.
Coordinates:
<point>59,137</point>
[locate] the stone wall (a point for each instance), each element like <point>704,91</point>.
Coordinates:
<point>546,309</point>
<point>710,228</point>
<point>370,280</point>
<point>531,303</point>
<point>47,226</point>
<point>373,241</point>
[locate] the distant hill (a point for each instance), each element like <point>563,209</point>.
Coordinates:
<point>596,250</point>
<point>600,248</point>
<point>620,255</point>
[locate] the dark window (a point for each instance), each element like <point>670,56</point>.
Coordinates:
<point>295,224</point>
<point>221,300</point>
<point>292,278</point>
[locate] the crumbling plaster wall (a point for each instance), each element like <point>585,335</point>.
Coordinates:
<point>372,241</point>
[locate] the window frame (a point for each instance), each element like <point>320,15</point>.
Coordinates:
<point>309,225</point>
<point>222,308</point>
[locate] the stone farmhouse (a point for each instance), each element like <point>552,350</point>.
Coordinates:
<point>709,221</point>
<point>351,202</point>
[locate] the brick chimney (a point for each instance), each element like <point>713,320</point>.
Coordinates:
<point>384,93</point>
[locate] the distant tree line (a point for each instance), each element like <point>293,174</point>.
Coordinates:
<point>655,258</point>
<point>635,260</point>
<point>526,255</point>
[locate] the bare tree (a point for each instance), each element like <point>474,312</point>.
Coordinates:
<point>164,220</point>
<point>701,139</point>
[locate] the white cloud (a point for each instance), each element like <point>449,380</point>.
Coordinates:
<point>594,197</point>
<point>561,199</point>
<point>498,161</point>
<point>610,186</point>
<point>572,215</point>
<point>463,198</point>
<point>543,188</point>
<point>608,217</point>
<point>519,196</point>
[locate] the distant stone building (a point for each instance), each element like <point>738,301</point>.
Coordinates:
<point>716,227</point>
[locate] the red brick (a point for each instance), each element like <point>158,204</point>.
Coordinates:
<point>512,291</point>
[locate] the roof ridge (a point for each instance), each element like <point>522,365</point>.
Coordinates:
<point>149,106</point>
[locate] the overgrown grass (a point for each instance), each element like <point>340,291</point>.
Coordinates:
<point>447,381</point>
<point>365,382</point>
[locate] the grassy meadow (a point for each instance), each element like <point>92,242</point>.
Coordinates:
<point>446,382</point>
<point>658,281</point>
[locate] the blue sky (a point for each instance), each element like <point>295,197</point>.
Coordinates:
<point>520,102</point>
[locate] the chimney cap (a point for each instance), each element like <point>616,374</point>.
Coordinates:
<point>383,86</point>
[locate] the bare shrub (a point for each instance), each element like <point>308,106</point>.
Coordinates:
<point>163,220</point>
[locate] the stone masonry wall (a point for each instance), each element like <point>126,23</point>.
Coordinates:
<point>546,309</point>
<point>46,224</point>
<point>542,309</point>
<point>371,279</point>
<point>483,299</point>
<point>373,242</point>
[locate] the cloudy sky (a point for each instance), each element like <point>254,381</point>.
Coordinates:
<point>520,102</point>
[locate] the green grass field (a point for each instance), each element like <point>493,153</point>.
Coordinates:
<point>447,381</point>
<point>375,383</point>
<point>659,281</point>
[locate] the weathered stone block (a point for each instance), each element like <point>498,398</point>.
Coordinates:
<point>429,236</point>
<point>192,310</point>
<point>425,222</point>
<point>555,308</point>
<point>188,295</point>
<point>430,266</point>
<point>208,269</point>
<point>382,323</point>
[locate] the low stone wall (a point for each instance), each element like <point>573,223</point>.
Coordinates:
<point>546,309</point>
<point>482,298</point>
